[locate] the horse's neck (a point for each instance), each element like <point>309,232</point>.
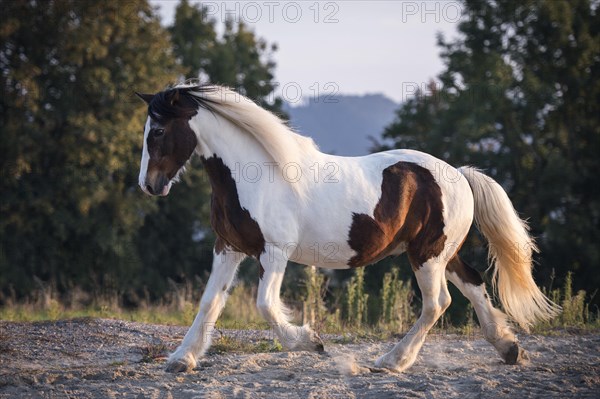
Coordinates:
<point>220,138</point>
<point>240,155</point>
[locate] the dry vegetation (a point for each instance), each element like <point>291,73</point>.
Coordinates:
<point>127,358</point>
<point>394,312</point>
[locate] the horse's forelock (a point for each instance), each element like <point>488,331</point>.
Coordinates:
<point>177,103</point>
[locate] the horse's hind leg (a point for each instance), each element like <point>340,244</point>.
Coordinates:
<point>275,313</point>
<point>493,322</point>
<point>198,337</point>
<point>436,300</point>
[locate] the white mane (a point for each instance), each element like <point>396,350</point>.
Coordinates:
<point>279,141</point>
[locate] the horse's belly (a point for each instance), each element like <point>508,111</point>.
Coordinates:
<point>326,254</point>
<point>332,255</point>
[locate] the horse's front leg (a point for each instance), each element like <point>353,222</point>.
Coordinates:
<point>198,338</point>
<point>276,314</point>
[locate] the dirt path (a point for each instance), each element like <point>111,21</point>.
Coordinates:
<point>116,359</point>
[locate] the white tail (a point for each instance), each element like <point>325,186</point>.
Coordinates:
<point>510,251</point>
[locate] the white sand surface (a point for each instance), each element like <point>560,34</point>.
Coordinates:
<point>93,358</point>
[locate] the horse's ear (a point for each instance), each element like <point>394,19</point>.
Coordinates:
<point>174,97</point>
<point>146,97</point>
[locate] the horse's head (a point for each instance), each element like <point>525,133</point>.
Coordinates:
<point>169,142</point>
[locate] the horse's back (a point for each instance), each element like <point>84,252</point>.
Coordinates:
<point>378,203</point>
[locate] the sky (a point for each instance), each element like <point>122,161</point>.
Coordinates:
<point>344,47</point>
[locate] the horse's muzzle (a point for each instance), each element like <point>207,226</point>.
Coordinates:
<point>160,186</point>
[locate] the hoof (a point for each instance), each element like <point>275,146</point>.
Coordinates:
<point>319,346</point>
<point>384,362</point>
<point>311,346</point>
<point>180,365</point>
<point>515,355</point>
<point>310,342</point>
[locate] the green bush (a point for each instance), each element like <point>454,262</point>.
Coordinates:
<point>396,297</point>
<point>357,299</point>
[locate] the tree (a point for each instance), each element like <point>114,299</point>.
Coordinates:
<point>176,241</point>
<point>237,59</point>
<point>519,97</point>
<point>71,138</point>
<point>193,36</point>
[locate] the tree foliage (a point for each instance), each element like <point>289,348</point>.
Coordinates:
<point>519,97</point>
<point>71,136</point>
<point>71,142</point>
<point>237,59</point>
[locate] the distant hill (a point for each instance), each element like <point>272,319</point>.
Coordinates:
<point>344,127</point>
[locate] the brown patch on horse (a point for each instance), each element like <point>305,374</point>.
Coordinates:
<point>410,210</point>
<point>464,271</point>
<point>233,224</point>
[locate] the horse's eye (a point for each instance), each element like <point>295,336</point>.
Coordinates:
<point>159,132</point>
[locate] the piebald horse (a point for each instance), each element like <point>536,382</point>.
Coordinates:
<point>276,197</point>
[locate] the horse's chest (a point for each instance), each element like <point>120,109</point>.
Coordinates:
<point>234,225</point>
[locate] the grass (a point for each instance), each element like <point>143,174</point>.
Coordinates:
<point>357,300</point>
<point>240,312</point>
<point>154,314</point>
<point>314,309</point>
<point>118,363</point>
<point>576,314</point>
<point>154,353</point>
<point>354,315</point>
<point>227,344</point>
<point>396,298</point>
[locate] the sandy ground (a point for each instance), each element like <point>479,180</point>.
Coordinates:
<point>91,358</point>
